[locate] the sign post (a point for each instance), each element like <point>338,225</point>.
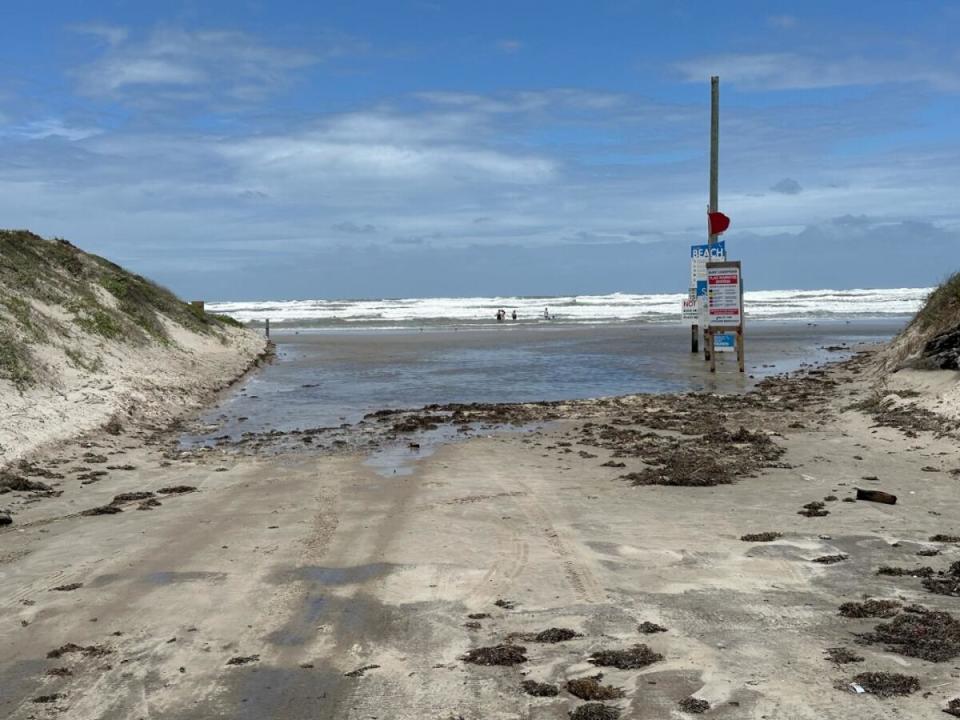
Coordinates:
<point>725,306</point>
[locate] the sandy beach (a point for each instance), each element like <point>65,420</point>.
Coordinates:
<point>288,576</point>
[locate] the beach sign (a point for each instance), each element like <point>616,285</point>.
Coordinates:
<point>700,255</point>
<point>690,310</point>
<point>724,297</point>
<point>724,342</point>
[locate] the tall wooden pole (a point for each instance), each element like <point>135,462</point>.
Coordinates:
<point>714,186</point>
<point>714,147</point>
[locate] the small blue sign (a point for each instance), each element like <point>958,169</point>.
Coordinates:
<point>724,342</point>
<point>717,251</point>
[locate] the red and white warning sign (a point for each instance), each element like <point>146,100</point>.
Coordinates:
<point>724,296</point>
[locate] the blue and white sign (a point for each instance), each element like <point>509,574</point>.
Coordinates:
<point>724,342</point>
<point>700,255</point>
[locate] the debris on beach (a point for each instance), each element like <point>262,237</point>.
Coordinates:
<point>842,656</point>
<point>829,559</point>
<point>595,711</point>
<point>149,504</point>
<point>89,651</point>
<point>86,478</point>
<point>17,483</point>
<point>5,519</point>
<point>638,656</point>
<point>243,659</point>
<point>53,697</point>
<point>60,672</point>
<point>505,604</point>
<point>870,609</point>
<point>130,497</point>
<point>928,552</point>
<point>102,510</point>
<point>648,628</point>
<point>176,489</point>
<point>939,537</point>
<point>953,707</point>
<point>478,616</point>
<point>415,423</point>
<point>761,536</point>
<point>813,509</point>
<point>360,671</point>
<point>539,689</point>
<point>947,583</point>
<point>884,684</point>
<point>684,468</point>
<point>693,705</point>
<point>877,496</point>
<point>68,587</point>
<point>589,688</point>
<point>930,635</point>
<point>551,635</point>
<point>497,655</point>
<point>923,572</point>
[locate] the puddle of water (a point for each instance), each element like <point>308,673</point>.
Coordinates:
<point>400,460</point>
<point>340,576</point>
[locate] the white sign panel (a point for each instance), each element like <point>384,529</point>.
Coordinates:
<point>690,310</point>
<point>723,294</point>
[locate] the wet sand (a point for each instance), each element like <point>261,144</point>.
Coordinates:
<point>327,378</point>
<point>296,564</point>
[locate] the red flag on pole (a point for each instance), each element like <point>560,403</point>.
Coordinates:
<point>718,222</point>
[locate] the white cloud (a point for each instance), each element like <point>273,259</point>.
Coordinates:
<point>218,64</point>
<point>786,71</point>
<point>48,128</point>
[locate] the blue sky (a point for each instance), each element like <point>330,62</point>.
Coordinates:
<point>242,149</point>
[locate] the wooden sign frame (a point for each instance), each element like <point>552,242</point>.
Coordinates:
<point>711,330</point>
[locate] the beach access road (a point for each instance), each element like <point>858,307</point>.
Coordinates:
<point>312,585</point>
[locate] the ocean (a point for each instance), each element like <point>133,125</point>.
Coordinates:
<point>340,359</point>
<point>415,313</point>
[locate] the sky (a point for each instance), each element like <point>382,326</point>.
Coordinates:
<point>274,150</point>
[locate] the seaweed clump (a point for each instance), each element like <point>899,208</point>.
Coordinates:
<point>694,705</point>
<point>948,583</point>
<point>930,635</point>
<point>870,608</point>
<point>883,684</point>
<point>649,628</point>
<point>589,688</point>
<point>761,536</point>
<point>497,655</point>
<point>634,658</point>
<point>842,656</point>
<point>595,711</point>
<point>539,689</point>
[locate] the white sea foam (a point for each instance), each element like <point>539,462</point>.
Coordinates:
<point>613,308</point>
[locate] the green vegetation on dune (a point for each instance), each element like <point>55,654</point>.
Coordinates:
<point>101,297</point>
<point>932,338</point>
<point>942,309</point>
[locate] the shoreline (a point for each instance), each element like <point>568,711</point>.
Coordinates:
<point>297,560</point>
